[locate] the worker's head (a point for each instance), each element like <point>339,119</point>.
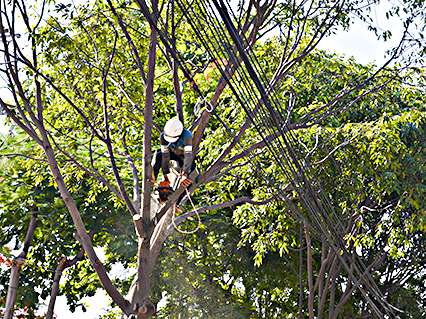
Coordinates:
<point>172,130</point>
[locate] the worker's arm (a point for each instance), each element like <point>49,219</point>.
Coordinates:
<point>165,158</point>
<point>187,155</point>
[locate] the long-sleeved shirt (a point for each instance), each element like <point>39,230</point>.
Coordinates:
<point>182,147</point>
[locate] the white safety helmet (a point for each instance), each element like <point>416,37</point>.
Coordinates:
<point>172,130</point>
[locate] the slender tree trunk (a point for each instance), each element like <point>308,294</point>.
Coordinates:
<point>310,275</point>
<point>13,287</point>
<point>333,292</point>
<point>16,268</point>
<point>55,287</point>
<point>300,274</point>
<point>326,287</point>
<point>321,277</point>
<point>63,264</point>
<point>322,293</point>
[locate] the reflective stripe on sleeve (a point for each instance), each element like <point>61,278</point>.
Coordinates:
<point>188,148</point>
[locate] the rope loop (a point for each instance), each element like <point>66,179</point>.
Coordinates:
<point>193,206</point>
<point>207,106</point>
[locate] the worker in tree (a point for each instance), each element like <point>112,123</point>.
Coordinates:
<point>176,144</point>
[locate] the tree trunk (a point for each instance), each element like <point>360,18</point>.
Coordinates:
<point>13,286</point>
<point>321,277</point>
<point>82,235</point>
<point>139,292</point>
<point>55,287</point>
<point>310,275</point>
<point>16,267</point>
<point>334,275</point>
<point>63,264</point>
<point>301,274</point>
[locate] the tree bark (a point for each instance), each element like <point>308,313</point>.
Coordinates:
<point>139,292</point>
<point>63,264</point>
<point>320,279</point>
<point>16,268</point>
<point>334,275</point>
<point>310,275</point>
<point>55,288</point>
<point>322,292</point>
<point>13,287</point>
<point>300,274</point>
<point>81,234</point>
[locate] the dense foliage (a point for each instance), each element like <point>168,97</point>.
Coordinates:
<point>367,151</point>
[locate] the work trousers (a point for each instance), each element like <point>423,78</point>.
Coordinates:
<point>157,159</point>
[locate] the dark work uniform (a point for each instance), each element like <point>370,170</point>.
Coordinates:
<point>179,151</point>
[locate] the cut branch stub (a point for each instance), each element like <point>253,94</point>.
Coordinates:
<point>142,310</point>
<point>18,261</point>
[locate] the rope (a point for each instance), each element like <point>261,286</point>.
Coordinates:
<point>193,206</point>
<point>196,212</point>
<point>208,104</point>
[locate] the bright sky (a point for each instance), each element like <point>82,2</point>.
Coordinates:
<point>363,44</point>
<point>358,42</point>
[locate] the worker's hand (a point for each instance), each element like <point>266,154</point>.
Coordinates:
<point>185,181</point>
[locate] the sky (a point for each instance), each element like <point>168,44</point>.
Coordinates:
<point>363,44</point>
<point>357,42</point>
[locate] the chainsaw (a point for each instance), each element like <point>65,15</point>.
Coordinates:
<point>164,191</point>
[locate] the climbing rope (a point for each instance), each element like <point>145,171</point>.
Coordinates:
<point>209,107</point>
<point>193,206</point>
<point>196,212</point>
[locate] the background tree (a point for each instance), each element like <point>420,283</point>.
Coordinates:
<point>79,98</point>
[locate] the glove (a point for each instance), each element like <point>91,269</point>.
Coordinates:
<point>185,181</point>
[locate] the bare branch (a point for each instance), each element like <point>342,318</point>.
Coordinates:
<point>133,169</point>
<point>74,106</point>
<point>16,267</point>
<point>129,39</point>
<point>23,155</point>
<point>99,177</point>
<point>347,142</point>
<point>310,274</point>
<point>239,200</point>
<point>108,143</point>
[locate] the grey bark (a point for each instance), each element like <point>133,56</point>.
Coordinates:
<point>63,264</point>
<point>300,274</point>
<point>16,268</point>
<point>13,287</point>
<point>55,287</point>
<point>310,274</point>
